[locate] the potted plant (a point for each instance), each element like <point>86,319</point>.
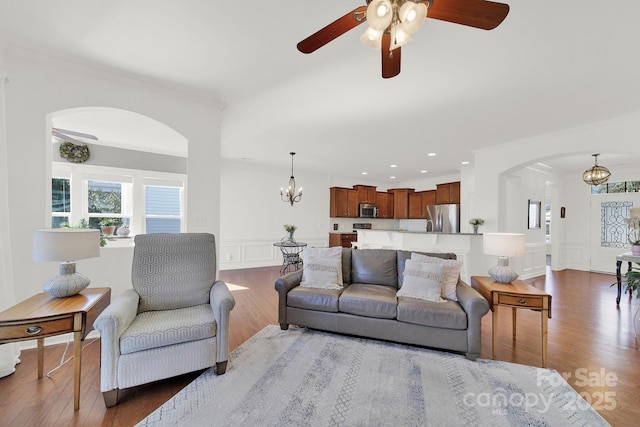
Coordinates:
<point>634,235</point>
<point>476,222</point>
<point>108,225</point>
<point>290,228</point>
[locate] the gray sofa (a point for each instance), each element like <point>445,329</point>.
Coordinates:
<point>367,305</point>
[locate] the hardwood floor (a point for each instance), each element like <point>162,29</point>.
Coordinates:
<point>590,342</point>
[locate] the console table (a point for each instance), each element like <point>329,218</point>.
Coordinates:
<point>629,258</point>
<point>516,294</point>
<point>44,316</point>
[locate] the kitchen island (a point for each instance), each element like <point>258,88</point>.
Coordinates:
<point>466,246</point>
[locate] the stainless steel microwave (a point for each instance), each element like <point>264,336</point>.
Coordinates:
<point>368,210</point>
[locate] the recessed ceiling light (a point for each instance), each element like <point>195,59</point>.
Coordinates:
<point>394,166</point>
<point>364,173</point>
<point>431,154</point>
<point>464,163</point>
<point>423,171</point>
<point>392,177</point>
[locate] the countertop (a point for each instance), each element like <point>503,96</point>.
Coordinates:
<point>422,232</point>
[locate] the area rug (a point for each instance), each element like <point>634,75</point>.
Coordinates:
<point>301,377</point>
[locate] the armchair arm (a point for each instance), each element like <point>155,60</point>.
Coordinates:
<point>222,302</point>
<point>111,323</point>
<point>283,285</point>
<point>476,306</point>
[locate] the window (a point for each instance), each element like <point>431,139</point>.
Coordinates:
<point>60,201</point>
<point>614,229</point>
<point>162,209</point>
<point>616,187</point>
<point>547,222</point>
<point>106,198</point>
<point>146,201</point>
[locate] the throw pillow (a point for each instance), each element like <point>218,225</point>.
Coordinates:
<point>321,273</point>
<point>451,273</point>
<point>334,253</point>
<point>421,280</point>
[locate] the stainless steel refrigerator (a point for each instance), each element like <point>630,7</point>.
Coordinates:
<point>443,218</point>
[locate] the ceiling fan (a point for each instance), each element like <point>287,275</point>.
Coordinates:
<point>72,136</point>
<point>392,21</point>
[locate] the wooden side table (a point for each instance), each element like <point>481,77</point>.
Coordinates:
<point>44,316</point>
<point>516,295</point>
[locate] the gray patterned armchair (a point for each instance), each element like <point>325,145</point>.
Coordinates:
<point>175,319</point>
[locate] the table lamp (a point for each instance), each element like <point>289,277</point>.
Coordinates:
<point>503,245</point>
<point>66,245</point>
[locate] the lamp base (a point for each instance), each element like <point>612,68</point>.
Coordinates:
<point>502,273</point>
<point>67,282</point>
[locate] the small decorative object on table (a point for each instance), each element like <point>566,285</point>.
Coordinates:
<point>123,230</point>
<point>634,234</point>
<point>289,228</point>
<point>476,222</point>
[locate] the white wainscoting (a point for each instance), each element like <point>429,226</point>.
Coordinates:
<point>535,260</point>
<point>243,253</point>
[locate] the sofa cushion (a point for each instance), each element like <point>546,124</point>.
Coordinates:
<point>322,273</point>
<point>369,300</point>
<point>450,275</point>
<point>153,329</point>
<point>374,266</point>
<point>346,266</point>
<point>405,255</point>
<point>314,298</point>
<point>447,314</point>
<point>421,280</point>
<point>318,270</point>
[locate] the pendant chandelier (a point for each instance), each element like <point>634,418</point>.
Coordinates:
<point>290,195</point>
<point>597,174</point>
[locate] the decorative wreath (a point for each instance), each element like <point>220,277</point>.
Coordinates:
<point>74,153</point>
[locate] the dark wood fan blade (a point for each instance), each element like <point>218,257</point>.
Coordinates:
<point>390,60</point>
<point>482,14</point>
<point>333,30</point>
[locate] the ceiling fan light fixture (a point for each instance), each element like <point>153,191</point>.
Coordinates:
<point>372,38</point>
<point>398,36</point>
<point>379,14</point>
<point>412,16</point>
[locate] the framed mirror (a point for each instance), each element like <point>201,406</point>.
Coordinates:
<point>534,212</point>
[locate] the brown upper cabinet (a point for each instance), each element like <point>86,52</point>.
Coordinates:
<point>366,194</point>
<point>401,202</point>
<point>418,202</point>
<point>385,205</point>
<point>448,193</point>
<point>343,202</point>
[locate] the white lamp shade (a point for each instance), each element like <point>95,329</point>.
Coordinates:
<point>372,38</point>
<point>379,14</point>
<point>503,244</point>
<point>65,244</point>
<point>412,16</point>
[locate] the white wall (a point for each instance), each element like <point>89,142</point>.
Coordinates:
<point>494,165</point>
<point>39,86</point>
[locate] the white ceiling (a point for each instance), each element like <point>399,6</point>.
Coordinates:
<point>550,65</point>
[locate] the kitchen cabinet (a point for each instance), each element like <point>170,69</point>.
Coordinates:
<point>385,205</point>
<point>401,202</point>
<point>418,202</point>
<point>343,202</point>
<point>366,194</point>
<point>342,239</point>
<point>448,193</point>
